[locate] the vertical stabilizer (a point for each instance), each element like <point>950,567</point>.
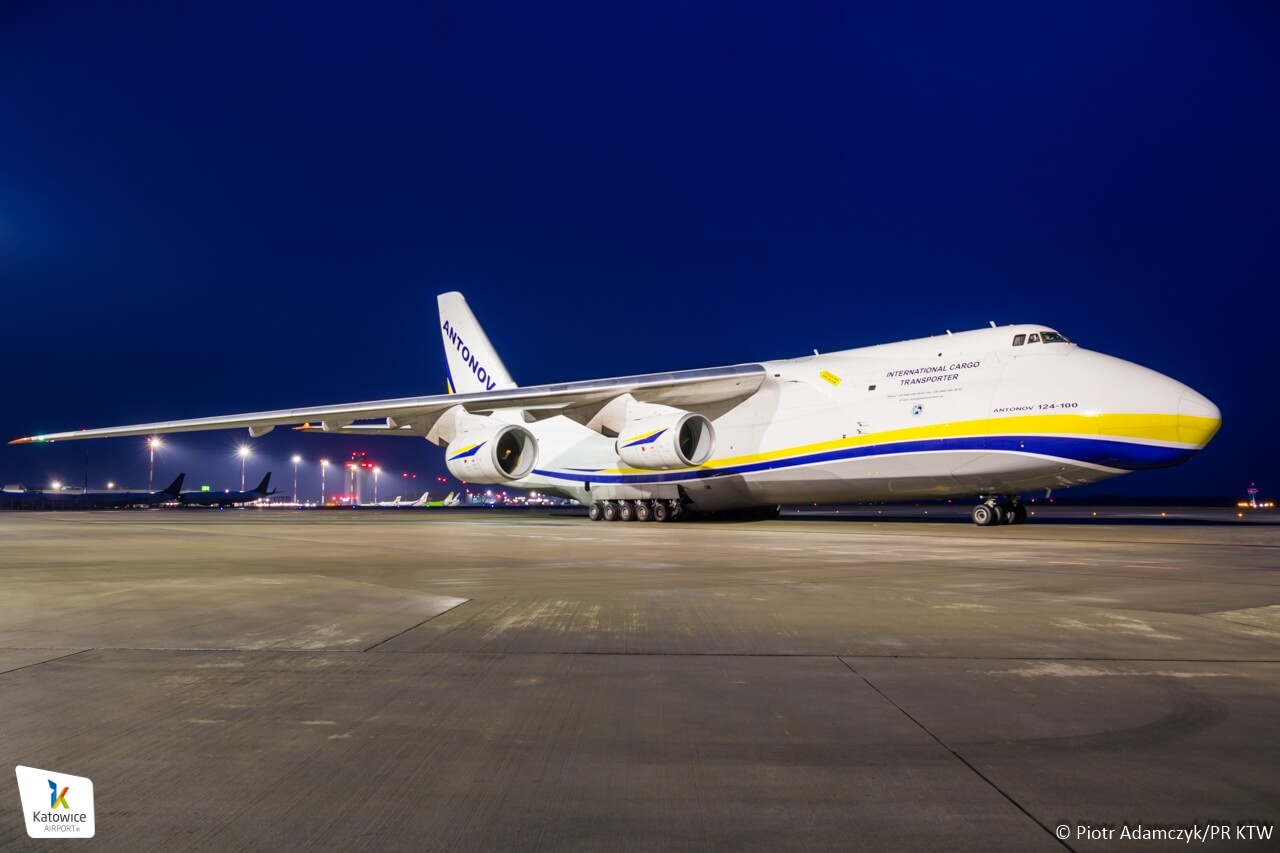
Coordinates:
<point>471,363</point>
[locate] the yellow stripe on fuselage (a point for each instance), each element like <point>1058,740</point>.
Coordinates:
<point>1171,428</point>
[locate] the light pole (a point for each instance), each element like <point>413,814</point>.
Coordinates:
<point>152,444</point>
<point>296,460</point>
<point>244,457</point>
<point>324,466</point>
<point>376,472</point>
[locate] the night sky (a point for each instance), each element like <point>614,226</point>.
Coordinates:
<point>252,206</point>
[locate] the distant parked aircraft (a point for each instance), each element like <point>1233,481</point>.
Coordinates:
<point>399,503</point>
<point>112,499</point>
<point>450,500</point>
<point>227,498</point>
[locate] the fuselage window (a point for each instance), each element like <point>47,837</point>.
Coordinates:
<point>1033,339</point>
<point>1054,338</point>
<point>1019,340</point>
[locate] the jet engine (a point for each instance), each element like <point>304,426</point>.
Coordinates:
<point>494,453</point>
<point>674,440</point>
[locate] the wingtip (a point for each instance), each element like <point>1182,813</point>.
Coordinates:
<point>31,439</point>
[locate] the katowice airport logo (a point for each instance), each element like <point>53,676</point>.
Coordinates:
<point>55,805</point>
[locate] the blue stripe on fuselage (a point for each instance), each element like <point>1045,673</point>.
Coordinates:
<point>1111,454</point>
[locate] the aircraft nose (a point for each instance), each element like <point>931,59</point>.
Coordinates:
<point>1198,418</point>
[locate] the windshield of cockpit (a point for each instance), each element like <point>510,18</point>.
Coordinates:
<point>1040,338</point>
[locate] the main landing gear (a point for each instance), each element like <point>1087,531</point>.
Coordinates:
<point>993,511</point>
<point>634,510</point>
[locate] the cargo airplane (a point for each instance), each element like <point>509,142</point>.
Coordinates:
<point>993,413</point>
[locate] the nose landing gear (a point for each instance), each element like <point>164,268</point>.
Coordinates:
<point>994,511</point>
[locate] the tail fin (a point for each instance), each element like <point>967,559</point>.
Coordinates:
<point>451,499</point>
<point>175,487</point>
<point>422,501</point>
<point>472,364</point>
<point>262,487</point>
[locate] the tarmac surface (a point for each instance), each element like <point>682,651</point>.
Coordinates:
<point>490,680</point>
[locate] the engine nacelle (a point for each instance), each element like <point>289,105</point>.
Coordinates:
<point>675,440</point>
<point>499,453</point>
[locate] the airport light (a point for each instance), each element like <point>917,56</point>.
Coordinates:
<point>324,466</point>
<point>56,486</point>
<point>152,443</point>
<point>296,460</point>
<point>376,472</point>
<point>244,457</point>
<point>111,484</point>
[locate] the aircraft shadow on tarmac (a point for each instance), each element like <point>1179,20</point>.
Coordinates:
<point>1113,518</point>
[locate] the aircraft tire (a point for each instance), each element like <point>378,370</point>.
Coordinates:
<point>984,515</point>
<point>661,511</point>
<point>595,511</point>
<point>1018,514</point>
<point>610,511</point>
<point>626,510</point>
<point>644,511</point>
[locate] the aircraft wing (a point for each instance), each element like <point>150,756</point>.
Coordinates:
<point>416,415</point>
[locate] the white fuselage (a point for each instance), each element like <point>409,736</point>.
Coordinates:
<point>953,415</point>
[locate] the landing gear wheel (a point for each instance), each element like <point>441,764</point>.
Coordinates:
<point>626,510</point>
<point>1018,514</point>
<point>662,511</point>
<point>984,515</point>
<point>644,512</point>
<point>595,512</point>
<point>610,511</point>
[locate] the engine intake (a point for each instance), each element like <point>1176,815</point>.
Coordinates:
<point>676,440</point>
<point>495,454</point>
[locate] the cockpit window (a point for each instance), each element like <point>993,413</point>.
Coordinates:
<point>1019,340</point>
<point>1033,338</point>
<point>1053,338</point>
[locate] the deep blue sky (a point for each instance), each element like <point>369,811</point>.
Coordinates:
<point>245,206</point>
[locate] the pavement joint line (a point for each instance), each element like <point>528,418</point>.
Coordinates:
<point>957,755</point>
<point>42,662</point>
<point>517,654</point>
<point>419,625</point>
<point>1032,570</point>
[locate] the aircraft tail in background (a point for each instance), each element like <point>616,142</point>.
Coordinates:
<point>175,488</point>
